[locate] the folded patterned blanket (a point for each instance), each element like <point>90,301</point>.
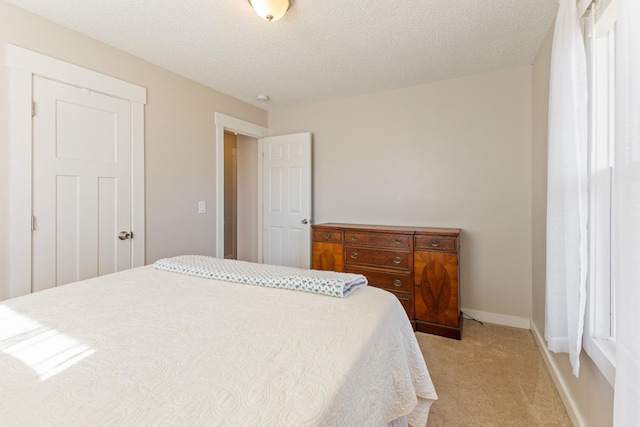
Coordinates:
<point>273,276</point>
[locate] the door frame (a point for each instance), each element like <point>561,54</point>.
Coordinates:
<point>23,64</point>
<point>232,124</point>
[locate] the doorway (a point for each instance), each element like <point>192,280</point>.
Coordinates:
<point>286,185</point>
<point>241,209</point>
<point>230,195</point>
<point>249,193</point>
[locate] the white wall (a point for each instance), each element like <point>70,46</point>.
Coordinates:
<point>455,153</point>
<point>590,396</point>
<point>179,135</point>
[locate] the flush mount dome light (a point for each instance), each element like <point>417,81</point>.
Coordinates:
<point>271,10</point>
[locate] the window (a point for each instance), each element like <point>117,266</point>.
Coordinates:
<point>600,327</point>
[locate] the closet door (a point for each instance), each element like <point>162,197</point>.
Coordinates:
<point>81,184</point>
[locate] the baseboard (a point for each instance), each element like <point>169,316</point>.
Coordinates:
<point>499,319</point>
<point>561,386</point>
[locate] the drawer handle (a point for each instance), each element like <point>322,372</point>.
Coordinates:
<point>397,260</point>
<point>434,243</point>
<point>354,255</point>
<point>397,283</point>
<point>327,236</point>
<point>354,238</point>
<point>398,241</point>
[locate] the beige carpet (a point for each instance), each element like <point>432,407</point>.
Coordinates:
<point>494,376</point>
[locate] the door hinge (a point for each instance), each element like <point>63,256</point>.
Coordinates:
<point>33,109</point>
<point>33,223</point>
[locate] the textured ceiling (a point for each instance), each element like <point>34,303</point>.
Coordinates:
<point>321,49</point>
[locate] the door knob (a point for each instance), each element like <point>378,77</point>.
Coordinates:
<point>305,221</point>
<point>124,235</point>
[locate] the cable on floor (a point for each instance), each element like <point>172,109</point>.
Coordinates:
<point>466,316</point>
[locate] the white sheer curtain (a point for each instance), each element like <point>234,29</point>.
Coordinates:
<point>627,215</point>
<point>567,179</point>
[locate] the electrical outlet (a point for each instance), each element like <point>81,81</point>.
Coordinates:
<point>202,207</point>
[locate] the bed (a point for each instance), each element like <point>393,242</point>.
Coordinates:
<point>154,347</point>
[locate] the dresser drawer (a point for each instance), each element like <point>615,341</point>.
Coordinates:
<point>391,281</point>
<point>436,243</point>
<point>328,236</point>
<point>377,258</point>
<point>380,240</point>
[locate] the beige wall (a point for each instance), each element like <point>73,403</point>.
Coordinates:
<point>455,153</point>
<point>179,135</point>
<point>230,174</point>
<point>591,393</point>
<point>540,110</point>
<point>247,198</point>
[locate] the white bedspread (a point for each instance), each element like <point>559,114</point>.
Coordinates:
<point>148,347</point>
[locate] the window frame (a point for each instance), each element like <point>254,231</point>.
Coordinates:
<point>599,336</point>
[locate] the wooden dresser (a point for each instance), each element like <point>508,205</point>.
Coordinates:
<point>419,265</point>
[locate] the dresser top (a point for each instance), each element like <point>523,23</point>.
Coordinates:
<point>389,228</point>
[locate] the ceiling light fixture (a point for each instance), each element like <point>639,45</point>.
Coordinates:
<point>263,98</point>
<point>270,10</point>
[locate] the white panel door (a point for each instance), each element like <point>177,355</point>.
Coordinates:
<point>81,184</point>
<point>287,200</point>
